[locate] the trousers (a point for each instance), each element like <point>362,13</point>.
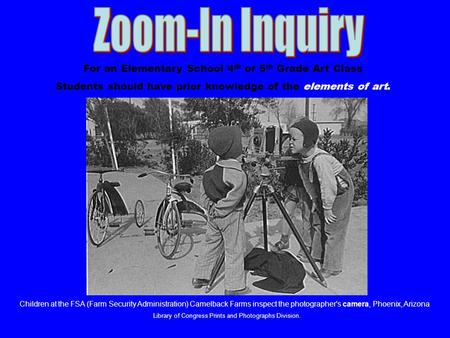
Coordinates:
<point>328,240</point>
<point>227,234</point>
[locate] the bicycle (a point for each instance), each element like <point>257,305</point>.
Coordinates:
<point>105,204</point>
<point>169,214</point>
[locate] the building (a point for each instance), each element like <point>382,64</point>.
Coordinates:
<point>196,130</point>
<point>334,126</point>
<point>90,128</point>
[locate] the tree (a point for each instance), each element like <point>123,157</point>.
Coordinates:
<point>226,111</point>
<point>292,111</point>
<point>125,120</point>
<point>286,109</point>
<point>157,119</point>
<point>350,107</point>
<point>96,110</point>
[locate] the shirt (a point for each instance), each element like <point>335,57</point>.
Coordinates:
<point>327,168</point>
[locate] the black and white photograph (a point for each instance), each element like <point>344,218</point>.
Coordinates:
<point>226,196</point>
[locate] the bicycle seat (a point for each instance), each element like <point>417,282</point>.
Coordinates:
<point>183,187</point>
<point>113,184</point>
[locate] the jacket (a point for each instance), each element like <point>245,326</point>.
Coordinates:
<point>223,188</point>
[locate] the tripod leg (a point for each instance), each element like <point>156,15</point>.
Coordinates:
<point>299,239</point>
<point>250,202</point>
<point>264,211</point>
<point>215,271</point>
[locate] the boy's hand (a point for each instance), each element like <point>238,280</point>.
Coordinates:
<point>213,212</point>
<point>210,205</point>
<point>329,216</point>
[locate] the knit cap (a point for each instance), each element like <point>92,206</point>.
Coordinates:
<point>310,131</point>
<point>226,142</point>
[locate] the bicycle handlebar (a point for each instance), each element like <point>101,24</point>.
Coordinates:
<point>165,173</point>
<point>102,170</point>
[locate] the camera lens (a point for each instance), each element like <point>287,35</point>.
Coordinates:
<point>257,140</point>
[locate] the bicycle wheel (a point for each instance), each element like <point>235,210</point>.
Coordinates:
<point>160,213</point>
<point>169,231</point>
<point>98,217</point>
<point>139,213</point>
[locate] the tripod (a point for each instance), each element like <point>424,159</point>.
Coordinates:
<point>265,190</point>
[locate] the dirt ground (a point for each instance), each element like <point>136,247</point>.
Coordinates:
<point>129,262</point>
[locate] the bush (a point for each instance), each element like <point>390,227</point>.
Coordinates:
<point>128,154</point>
<point>97,155</point>
<point>194,158</point>
<point>349,131</point>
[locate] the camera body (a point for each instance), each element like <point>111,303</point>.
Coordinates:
<point>266,141</point>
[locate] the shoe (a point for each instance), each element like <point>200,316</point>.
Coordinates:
<point>329,273</point>
<point>280,245</point>
<point>302,257</point>
<point>325,273</point>
<point>243,291</point>
<point>198,283</point>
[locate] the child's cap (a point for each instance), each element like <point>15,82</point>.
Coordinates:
<point>310,131</point>
<point>226,142</point>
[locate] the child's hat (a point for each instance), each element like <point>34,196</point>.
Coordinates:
<point>310,131</point>
<point>226,142</point>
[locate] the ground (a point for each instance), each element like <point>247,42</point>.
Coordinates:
<point>129,263</point>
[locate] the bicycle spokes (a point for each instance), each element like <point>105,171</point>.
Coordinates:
<point>139,213</point>
<point>98,218</point>
<point>168,231</point>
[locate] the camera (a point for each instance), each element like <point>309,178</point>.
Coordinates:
<point>266,141</point>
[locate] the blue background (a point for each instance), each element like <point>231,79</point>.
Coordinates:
<point>43,171</point>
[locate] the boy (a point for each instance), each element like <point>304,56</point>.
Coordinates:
<point>330,190</point>
<point>223,195</point>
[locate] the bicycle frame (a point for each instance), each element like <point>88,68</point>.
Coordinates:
<point>184,204</point>
<point>99,209</point>
<point>105,201</point>
<point>117,204</point>
<point>169,214</point>
<point>188,206</point>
